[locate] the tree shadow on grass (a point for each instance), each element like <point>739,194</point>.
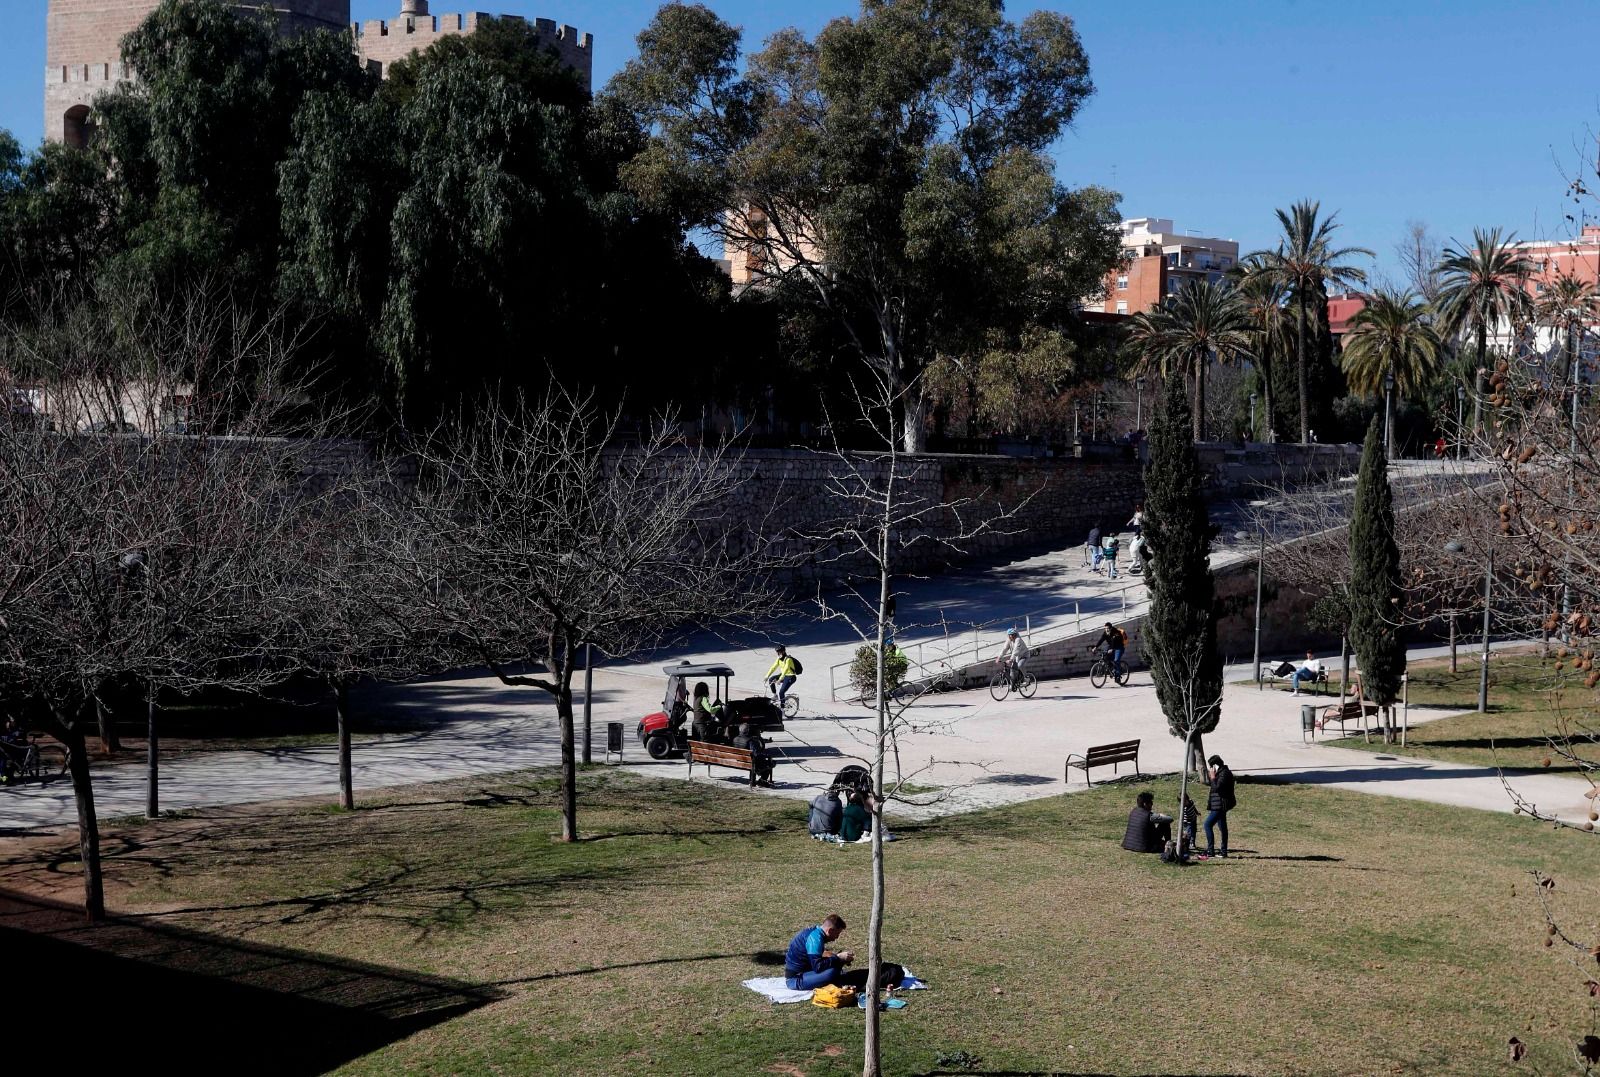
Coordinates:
<point>212,1004</point>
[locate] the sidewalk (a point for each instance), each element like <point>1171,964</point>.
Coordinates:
<point>965,750</point>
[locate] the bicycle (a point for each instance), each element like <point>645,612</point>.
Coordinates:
<point>1102,669</point>
<point>791,702</point>
<point>24,762</point>
<point>1001,684</point>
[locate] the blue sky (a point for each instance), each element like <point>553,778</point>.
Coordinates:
<point>1453,112</point>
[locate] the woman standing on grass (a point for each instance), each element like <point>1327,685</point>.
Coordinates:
<point>1219,804</point>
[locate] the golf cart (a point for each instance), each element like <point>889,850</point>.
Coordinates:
<point>664,733</point>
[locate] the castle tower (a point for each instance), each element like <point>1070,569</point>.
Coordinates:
<point>83,54</point>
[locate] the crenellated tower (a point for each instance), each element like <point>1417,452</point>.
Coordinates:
<point>83,45</point>
<point>83,54</point>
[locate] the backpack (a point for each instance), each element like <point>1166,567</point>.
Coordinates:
<point>798,668</point>
<point>834,997</point>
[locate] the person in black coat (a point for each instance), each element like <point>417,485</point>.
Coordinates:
<point>1145,834</point>
<point>1219,804</point>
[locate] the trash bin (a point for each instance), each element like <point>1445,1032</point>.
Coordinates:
<point>1308,720</point>
<point>613,740</point>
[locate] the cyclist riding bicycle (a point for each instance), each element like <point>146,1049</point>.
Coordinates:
<point>1115,641</point>
<point>13,750</point>
<point>781,674</point>
<point>1013,656</point>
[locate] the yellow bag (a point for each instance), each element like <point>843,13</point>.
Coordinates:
<point>834,997</point>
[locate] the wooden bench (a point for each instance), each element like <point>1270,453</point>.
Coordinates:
<point>1103,755</point>
<point>1349,711</point>
<point>722,755</point>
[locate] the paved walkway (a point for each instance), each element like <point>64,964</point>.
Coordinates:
<point>965,749</point>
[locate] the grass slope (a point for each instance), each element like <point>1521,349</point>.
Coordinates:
<point>1352,934</point>
<point>1529,700</point>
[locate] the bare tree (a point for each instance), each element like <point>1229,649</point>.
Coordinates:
<point>1419,252</point>
<point>533,531</point>
<point>882,517</point>
<point>139,556</point>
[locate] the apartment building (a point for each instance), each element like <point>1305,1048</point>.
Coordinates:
<point>1158,261</point>
<point>1548,260</point>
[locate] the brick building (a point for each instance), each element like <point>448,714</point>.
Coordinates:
<point>83,45</point>
<point>1157,262</point>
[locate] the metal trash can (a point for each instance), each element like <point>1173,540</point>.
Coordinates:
<point>613,740</point>
<point>1308,720</point>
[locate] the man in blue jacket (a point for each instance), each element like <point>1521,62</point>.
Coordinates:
<point>809,964</point>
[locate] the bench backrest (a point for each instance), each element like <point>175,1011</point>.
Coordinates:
<point>705,752</point>
<point>1113,753</point>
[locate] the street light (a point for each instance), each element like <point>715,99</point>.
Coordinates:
<point>1138,403</point>
<point>1253,417</point>
<point>1461,417</point>
<point>1261,560</point>
<point>1388,421</point>
<point>1454,546</point>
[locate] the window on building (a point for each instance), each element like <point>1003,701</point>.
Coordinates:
<point>76,128</point>
<point>1538,287</point>
<point>1226,261</point>
<point>1172,259</point>
<point>1122,306</point>
<point>1122,283</point>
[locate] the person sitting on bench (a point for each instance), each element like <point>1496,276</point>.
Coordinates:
<point>707,716</point>
<point>1147,832</point>
<point>808,963</point>
<point>1310,670</point>
<point>751,742</point>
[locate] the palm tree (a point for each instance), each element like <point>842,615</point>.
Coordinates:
<point>1304,259</point>
<point>1205,321</point>
<point>1569,303</point>
<point>1482,284</point>
<point>1392,334</point>
<point>1265,297</point>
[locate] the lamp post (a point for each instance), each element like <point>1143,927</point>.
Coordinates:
<point>1388,419</point>
<point>1261,560</point>
<point>1253,417</point>
<point>1138,403</point>
<point>1454,546</point>
<point>1461,432</point>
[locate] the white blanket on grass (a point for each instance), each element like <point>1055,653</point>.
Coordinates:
<point>774,988</point>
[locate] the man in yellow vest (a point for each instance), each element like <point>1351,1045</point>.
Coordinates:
<point>782,673</point>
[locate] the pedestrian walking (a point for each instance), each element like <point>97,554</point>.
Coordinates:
<point>1109,550</point>
<point>1092,548</point>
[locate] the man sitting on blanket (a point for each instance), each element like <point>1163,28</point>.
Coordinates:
<point>808,964</point>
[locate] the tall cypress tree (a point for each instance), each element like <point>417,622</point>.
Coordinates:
<point>1180,636</point>
<point>1375,577</point>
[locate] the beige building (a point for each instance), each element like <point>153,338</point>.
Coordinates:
<point>1157,262</point>
<point>83,54</point>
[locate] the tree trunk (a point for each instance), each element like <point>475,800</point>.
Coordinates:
<point>1300,364</point>
<point>152,766</point>
<point>872,1065</point>
<point>1197,758</point>
<point>569,762</point>
<point>109,743</point>
<point>1199,423</point>
<point>1452,643</point>
<point>913,415</point>
<point>1268,434</point>
<point>341,710</point>
<point>1477,397</point>
<point>94,893</point>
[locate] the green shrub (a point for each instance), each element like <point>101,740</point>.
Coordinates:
<point>864,670</point>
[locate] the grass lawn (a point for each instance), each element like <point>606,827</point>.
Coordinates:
<point>1528,699</point>
<point>1350,933</point>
